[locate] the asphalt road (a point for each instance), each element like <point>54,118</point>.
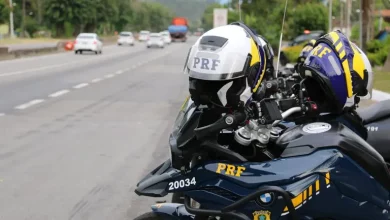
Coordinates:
<point>79,131</point>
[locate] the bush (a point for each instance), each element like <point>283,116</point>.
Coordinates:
<point>377,52</point>
<point>292,53</point>
<point>31,25</point>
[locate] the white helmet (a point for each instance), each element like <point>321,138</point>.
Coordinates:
<point>225,65</point>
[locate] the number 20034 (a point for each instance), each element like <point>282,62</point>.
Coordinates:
<point>182,183</point>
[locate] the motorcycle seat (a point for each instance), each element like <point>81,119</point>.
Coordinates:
<point>375,112</point>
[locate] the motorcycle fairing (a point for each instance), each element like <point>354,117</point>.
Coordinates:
<point>379,138</point>
<point>154,184</point>
<point>172,211</point>
<point>324,183</point>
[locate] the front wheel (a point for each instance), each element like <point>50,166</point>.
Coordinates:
<point>149,216</point>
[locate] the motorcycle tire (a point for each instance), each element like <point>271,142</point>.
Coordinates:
<point>149,216</point>
<point>178,198</point>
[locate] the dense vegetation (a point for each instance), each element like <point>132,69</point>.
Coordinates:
<point>192,9</point>
<point>266,18</point>
<point>66,18</point>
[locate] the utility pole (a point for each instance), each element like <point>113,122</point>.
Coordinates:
<point>349,6</point>
<point>342,16</point>
<point>361,24</point>
<point>11,19</point>
<point>330,16</point>
<point>365,5</point>
<point>23,17</point>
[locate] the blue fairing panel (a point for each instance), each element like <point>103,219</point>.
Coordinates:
<point>324,183</point>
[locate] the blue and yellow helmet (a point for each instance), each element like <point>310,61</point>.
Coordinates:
<point>335,70</point>
<point>306,51</point>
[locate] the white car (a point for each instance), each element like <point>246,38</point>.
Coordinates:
<point>143,35</point>
<point>167,37</point>
<point>126,38</point>
<point>88,42</point>
<point>155,40</point>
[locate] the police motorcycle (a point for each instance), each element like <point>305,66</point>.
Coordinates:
<point>243,167</point>
<point>376,117</point>
<point>319,170</point>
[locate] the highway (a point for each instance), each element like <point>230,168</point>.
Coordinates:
<point>79,131</point>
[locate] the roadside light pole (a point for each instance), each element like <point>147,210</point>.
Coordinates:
<point>11,19</point>
<point>330,16</point>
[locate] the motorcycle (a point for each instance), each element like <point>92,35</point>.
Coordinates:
<point>376,117</point>
<point>310,171</point>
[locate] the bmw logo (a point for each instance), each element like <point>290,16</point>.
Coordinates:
<point>266,199</point>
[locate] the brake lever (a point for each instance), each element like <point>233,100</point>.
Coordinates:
<point>227,121</point>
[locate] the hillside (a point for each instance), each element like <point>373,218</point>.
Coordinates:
<point>192,9</point>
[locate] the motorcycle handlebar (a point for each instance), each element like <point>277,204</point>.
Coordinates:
<point>227,121</point>
<point>288,113</point>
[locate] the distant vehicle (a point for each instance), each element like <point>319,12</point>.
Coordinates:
<point>298,42</point>
<point>155,40</point>
<point>178,29</point>
<point>167,37</point>
<point>126,38</point>
<point>88,42</point>
<point>144,35</point>
<point>308,35</point>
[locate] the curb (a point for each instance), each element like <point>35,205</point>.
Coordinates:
<point>58,48</point>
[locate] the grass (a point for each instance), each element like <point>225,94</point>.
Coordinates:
<point>382,80</point>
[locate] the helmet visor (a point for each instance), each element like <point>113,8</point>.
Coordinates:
<point>215,65</point>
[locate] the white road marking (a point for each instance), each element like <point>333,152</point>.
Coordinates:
<point>81,85</point>
<point>2,114</point>
<point>119,72</point>
<point>59,93</point>
<point>29,104</point>
<point>109,75</point>
<point>96,80</point>
<point>83,61</point>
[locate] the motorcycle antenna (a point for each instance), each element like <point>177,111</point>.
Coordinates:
<point>280,41</point>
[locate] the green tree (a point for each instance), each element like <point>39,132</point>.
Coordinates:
<point>312,16</point>
<point>4,12</point>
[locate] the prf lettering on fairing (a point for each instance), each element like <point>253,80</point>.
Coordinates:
<point>230,170</point>
<point>205,63</point>
<point>320,51</point>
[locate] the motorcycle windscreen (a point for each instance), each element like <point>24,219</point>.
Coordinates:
<point>186,121</point>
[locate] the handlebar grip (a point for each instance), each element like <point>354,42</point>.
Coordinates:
<point>227,121</point>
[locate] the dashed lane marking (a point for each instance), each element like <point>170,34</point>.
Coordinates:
<point>29,104</point>
<point>96,80</point>
<point>119,72</point>
<point>2,114</point>
<point>81,85</point>
<point>109,75</point>
<point>59,93</point>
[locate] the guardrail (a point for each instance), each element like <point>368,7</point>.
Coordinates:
<point>8,53</point>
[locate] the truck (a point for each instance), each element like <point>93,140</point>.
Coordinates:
<point>178,29</point>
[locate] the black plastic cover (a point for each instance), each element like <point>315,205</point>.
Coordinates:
<point>213,41</point>
<point>286,104</point>
<point>270,110</point>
